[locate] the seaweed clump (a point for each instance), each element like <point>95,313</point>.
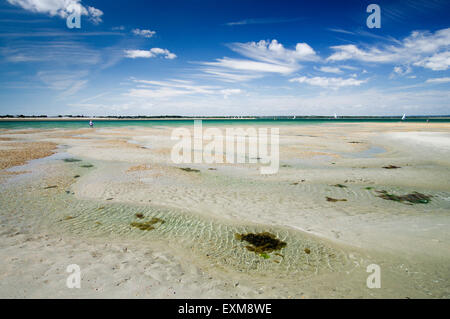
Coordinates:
<point>414,198</point>
<point>333,200</point>
<point>262,243</point>
<point>190,170</point>
<point>391,167</point>
<point>340,186</point>
<point>149,225</point>
<point>87,166</point>
<point>71,160</point>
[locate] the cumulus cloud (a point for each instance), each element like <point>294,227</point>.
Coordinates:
<point>144,33</point>
<point>260,58</point>
<point>61,8</point>
<point>328,82</point>
<point>437,62</point>
<point>275,52</point>
<point>152,53</point>
<point>425,49</point>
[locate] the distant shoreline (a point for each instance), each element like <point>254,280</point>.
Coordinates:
<point>64,119</point>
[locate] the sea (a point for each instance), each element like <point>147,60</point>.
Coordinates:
<point>75,124</point>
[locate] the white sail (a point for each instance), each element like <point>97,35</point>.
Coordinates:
<point>403,117</point>
<point>335,116</point>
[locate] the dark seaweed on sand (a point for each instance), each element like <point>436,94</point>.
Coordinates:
<point>149,225</point>
<point>333,200</point>
<point>340,186</point>
<point>261,243</point>
<point>414,198</point>
<point>391,167</point>
<point>71,160</point>
<point>189,170</point>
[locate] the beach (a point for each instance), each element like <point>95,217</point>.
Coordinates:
<point>111,200</point>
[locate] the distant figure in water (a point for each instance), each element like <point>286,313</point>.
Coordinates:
<point>91,125</point>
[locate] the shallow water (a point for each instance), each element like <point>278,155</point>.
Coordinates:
<point>209,239</point>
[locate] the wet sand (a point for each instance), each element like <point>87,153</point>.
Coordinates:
<point>55,213</point>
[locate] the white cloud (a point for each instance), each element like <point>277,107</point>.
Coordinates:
<point>425,49</point>
<point>402,70</point>
<point>229,76</point>
<point>437,62</point>
<point>61,8</point>
<point>227,92</point>
<point>66,81</point>
<point>144,33</point>
<point>174,88</point>
<point>62,53</point>
<point>328,82</point>
<point>260,58</point>
<point>329,69</point>
<point>275,52</point>
<point>438,80</point>
<point>248,65</point>
<point>152,53</point>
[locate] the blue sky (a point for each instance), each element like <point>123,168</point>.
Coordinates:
<point>224,58</point>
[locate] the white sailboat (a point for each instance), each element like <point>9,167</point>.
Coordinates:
<point>335,116</point>
<point>294,117</point>
<point>403,117</point>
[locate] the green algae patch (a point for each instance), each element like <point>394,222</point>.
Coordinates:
<point>340,186</point>
<point>334,200</point>
<point>307,251</point>
<point>265,255</point>
<point>71,160</point>
<point>190,170</point>
<point>368,188</point>
<point>414,198</point>
<point>262,243</point>
<point>149,225</point>
<point>87,166</point>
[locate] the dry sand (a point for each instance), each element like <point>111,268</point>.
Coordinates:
<point>51,219</point>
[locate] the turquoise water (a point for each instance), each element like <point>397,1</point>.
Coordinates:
<point>50,124</point>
